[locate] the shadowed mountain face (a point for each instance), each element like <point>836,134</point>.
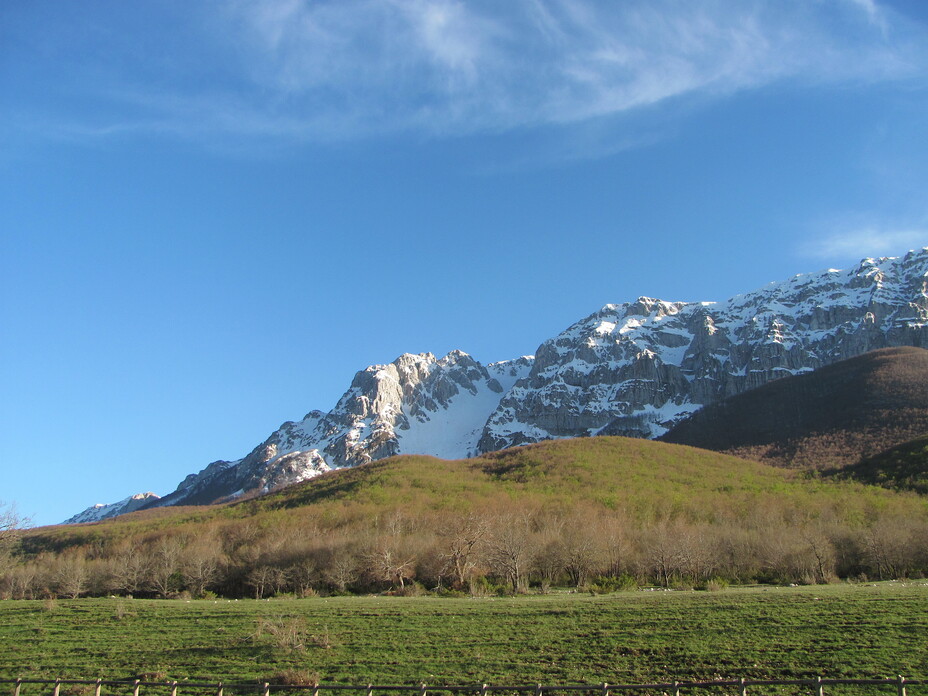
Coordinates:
<point>829,418</point>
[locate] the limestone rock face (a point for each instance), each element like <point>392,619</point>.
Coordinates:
<point>417,404</point>
<point>636,369</point>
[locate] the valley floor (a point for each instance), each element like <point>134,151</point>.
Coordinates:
<point>845,630</point>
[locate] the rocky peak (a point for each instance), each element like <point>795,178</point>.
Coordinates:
<point>102,511</point>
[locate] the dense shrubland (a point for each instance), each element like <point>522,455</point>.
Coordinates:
<point>596,515</point>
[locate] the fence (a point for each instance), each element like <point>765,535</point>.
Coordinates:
<point>816,687</point>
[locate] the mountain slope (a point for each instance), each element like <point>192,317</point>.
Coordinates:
<point>644,481</point>
<point>555,512</point>
<point>828,418</point>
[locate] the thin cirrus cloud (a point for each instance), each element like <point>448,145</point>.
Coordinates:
<point>322,69</point>
<point>874,241</point>
<point>450,66</point>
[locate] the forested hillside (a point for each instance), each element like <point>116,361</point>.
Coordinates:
<point>595,513</point>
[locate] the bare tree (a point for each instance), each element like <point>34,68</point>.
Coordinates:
<point>262,578</point>
<point>22,581</point>
<point>509,552</point>
<point>388,562</point>
<point>200,564</point>
<point>303,574</point>
<point>664,552</point>
<point>71,574</point>
<point>11,526</point>
<point>821,552</point>
<point>164,566</point>
<point>128,569</point>
<point>888,547</point>
<point>342,569</point>
<point>461,538</point>
<point>583,553</point>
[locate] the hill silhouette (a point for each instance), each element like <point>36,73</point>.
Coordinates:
<point>826,419</point>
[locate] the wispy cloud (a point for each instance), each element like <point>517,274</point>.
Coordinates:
<point>872,241</point>
<point>318,69</point>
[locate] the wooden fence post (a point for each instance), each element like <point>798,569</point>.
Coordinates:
<point>98,688</point>
<point>219,689</point>
<point>135,687</point>
<point>19,682</point>
<point>57,690</point>
<point>173,688</point>
<point>901,685</point>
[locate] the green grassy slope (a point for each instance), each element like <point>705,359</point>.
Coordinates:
<point>643,480</point>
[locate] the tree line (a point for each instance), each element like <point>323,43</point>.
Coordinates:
<point>525,548</point>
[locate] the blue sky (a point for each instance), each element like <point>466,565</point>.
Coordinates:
<point>212,214</point>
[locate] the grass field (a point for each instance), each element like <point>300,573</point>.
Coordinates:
<point>765,632</point>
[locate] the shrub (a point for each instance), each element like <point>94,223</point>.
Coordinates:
<point>295,677</point>
<point>604,584</point>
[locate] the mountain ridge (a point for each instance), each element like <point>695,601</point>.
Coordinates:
<point>630,369</point>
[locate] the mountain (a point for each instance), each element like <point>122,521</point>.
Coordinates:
<point>636,369</point>
<point>416,404</point>
<point>631,369</point>
<point>828,418</point>
<point>102,511</point>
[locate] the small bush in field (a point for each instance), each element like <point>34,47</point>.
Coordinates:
<point>295,677</point>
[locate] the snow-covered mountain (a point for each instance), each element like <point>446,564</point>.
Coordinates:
<point>102,511</point>
<point>630,369</point>
<point>636,369</point>
<point>415,405</point>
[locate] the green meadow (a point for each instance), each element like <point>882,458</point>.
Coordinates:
<point>841,630</point>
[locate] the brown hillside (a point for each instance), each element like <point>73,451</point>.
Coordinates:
<point>829,418</point>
